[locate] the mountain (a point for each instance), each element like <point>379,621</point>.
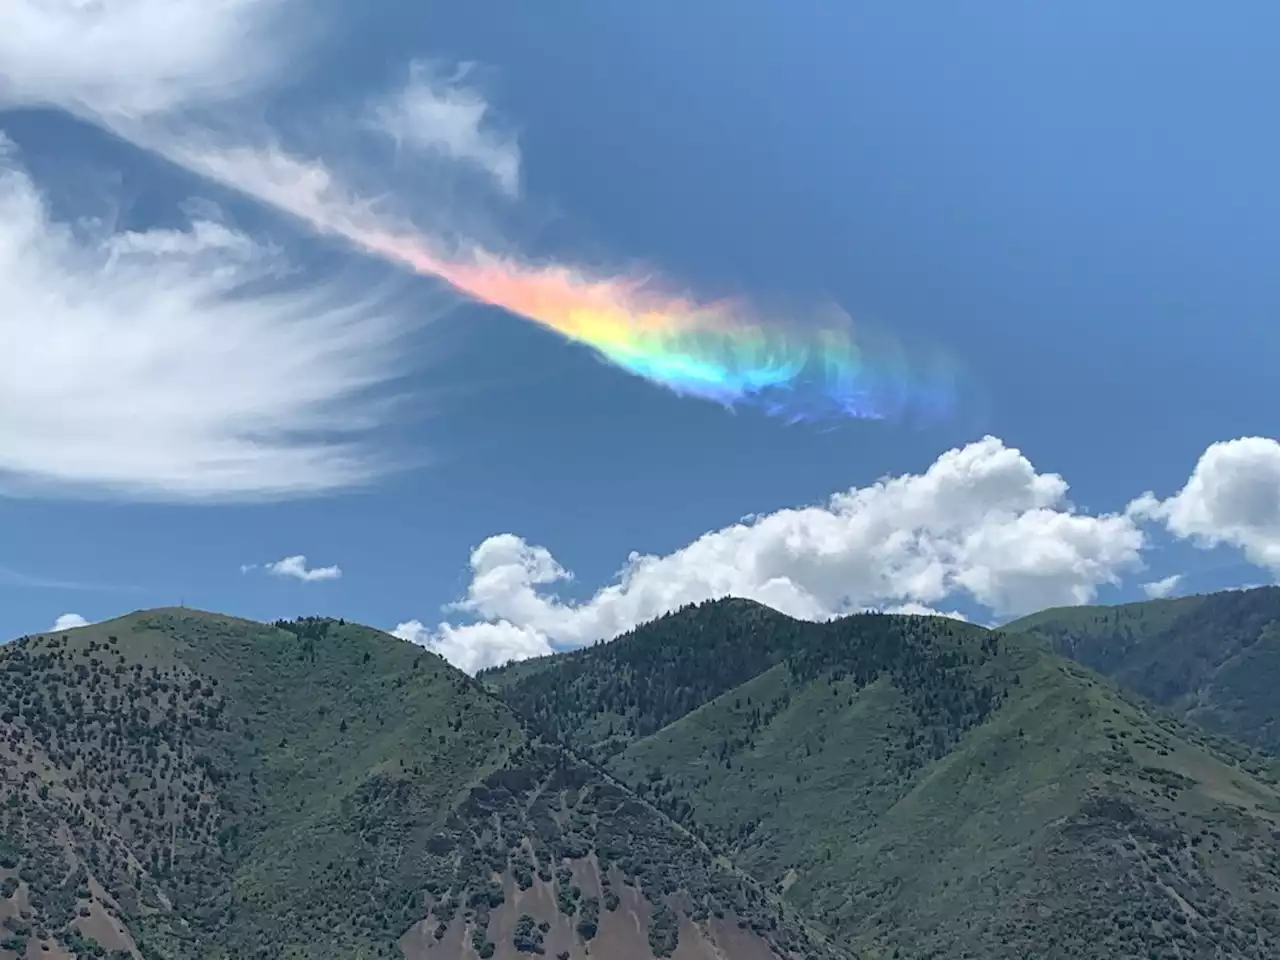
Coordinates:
<point>181,785</point>
<point>724,783</point>
<point>923,787</point>
<point>1212,659</point>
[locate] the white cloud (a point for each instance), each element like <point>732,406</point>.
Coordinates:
<point>68,621</point>
<point>136,57</point>
<point>475,646</point>
<point>174,364</point>
<point>441,115</point>
<point>16,578</point>
<point>921,610</point>
<point>1232,498</point>
<point>172,77</point>
<point>296,567</point>
<point>981,521</point>
<point>162,371</point>
<point>1159,589</point>
<point>303,188</point>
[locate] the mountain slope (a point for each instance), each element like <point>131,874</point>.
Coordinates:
<point>927,786</point>
<point>181,785</point>
<point>1212,659</point>
<point>600,699</point>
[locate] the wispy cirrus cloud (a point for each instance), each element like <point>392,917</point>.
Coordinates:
<point>16,578</point>
<point>187,103</point>
<point>138,57</point>
<point>190,95</point>
<point>177,364</point>
<point>193,363</point>
<point>440,113</point>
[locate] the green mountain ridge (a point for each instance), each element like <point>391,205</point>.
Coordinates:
<point>181,785</point>
<point>926,787</point>
<point>1212,659</point>
<point>724,783</point>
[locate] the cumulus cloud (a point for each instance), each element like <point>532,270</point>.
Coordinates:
<point>921,610</point>
<point>1232,498</point>
<point>69,621</point>
<point>981,522</point>
<point>178,363</point>
<point>478,645</point>
<point>135,57</point>
<point>441,115</point>
<point>296,568</point>
<point>1159,589</point>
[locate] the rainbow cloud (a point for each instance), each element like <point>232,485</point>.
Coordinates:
<point>716,351</point>
<point>806,369</point>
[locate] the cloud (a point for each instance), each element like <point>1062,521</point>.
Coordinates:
<point>179,364</point>
<point>440,115</point>
<point>296,567</point>
<point>190,80</point>
<point>68,621</point>
<point>980,522</point>
<point>813,367</point>
<point>921,610</point>
<point>185,80</point>
<point>1232,498</point>
<point>478,645</point>
<point>16,578</point>
<point>136,57</point>
<point>1159,589</point>
<point>306,189</point>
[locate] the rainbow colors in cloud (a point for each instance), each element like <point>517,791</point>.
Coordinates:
<point>800,368</point>
<point>716,351</point>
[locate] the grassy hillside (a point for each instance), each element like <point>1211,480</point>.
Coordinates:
<point>182,785</point>
<point>928,788</point>
<point>1213,659</point>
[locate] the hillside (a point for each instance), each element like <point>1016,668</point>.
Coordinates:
<point>181,785</point>
<point>924,787</point>
<point>1212,659</point>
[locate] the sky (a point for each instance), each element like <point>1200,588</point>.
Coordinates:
<point>509,326</point>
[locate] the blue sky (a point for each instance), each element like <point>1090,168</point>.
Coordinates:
<point>1077,204</point>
